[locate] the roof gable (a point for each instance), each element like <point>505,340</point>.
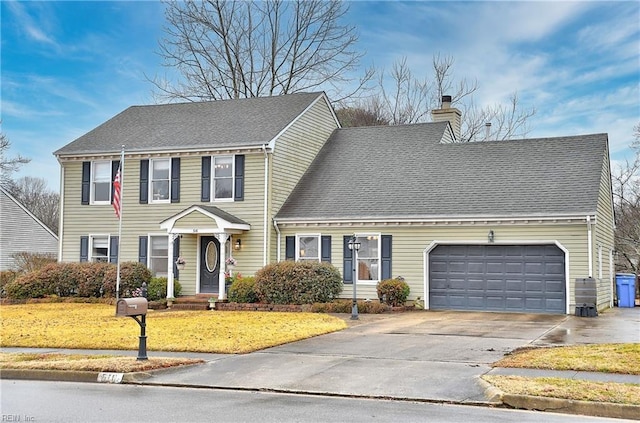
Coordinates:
<point>37,221</point>
<point>406,172</point>
<point>187,126</point>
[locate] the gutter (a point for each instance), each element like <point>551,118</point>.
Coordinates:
<point>60,218</point>
<point>275,225</point>
<point>589,246</point>
<point>266,204</point>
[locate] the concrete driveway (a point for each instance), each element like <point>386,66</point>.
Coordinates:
<point>415,355</point>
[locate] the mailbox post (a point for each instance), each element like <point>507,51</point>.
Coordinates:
<point>136,308</point>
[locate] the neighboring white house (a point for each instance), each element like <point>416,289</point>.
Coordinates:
<point>21,231</point>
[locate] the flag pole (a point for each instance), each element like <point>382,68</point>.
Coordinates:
<point>121,174</point>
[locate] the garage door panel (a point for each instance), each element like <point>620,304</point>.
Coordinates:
<point>525,278</point>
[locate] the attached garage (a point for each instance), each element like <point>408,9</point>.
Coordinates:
<point>512,278</point>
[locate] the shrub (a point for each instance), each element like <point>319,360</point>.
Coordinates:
<point>157,289</point>
<point>132,275</point>
<point>242,290</point>
<point>393,292</point>
<point>304,282</point>
<point>78,279</point>
<point>6,277</point>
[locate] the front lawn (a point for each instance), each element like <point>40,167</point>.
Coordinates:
<point>94,326</point>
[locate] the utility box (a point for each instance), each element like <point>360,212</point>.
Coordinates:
<point>586,293</point>
<point>131,306</point>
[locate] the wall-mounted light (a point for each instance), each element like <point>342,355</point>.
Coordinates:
<point>491,235</point>
<point>238,245</point>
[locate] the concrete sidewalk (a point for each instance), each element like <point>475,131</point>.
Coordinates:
<point>417,356</point>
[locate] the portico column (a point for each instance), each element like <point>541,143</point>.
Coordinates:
<point>171,239</point>
<point>222,238</point>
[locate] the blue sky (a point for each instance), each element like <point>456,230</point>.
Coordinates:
<point>69,66</point>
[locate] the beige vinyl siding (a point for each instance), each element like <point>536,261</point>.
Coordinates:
<point>195,219</point>
<point>604,236</point>
<point>142,219</point>
<point>294,151</point>
<point>410,241</point>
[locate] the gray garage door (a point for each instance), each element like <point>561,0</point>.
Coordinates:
<point>519,278</point>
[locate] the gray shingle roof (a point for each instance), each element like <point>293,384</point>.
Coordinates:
<point>214,124</point>
<point>404,172</point>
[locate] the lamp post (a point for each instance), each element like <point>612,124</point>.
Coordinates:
<point>354,246</point>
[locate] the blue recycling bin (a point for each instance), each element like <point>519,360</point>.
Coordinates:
<point>626,289</point>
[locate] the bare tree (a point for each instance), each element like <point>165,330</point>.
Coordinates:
<point>240,49</point>
<point>367,112</point>
<point>406,98</point>
<point>34,195</point>
<point>8,165</point>
<point>626,192</point>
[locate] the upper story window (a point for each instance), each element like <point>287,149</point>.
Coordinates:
<point>223,177</point>
<point>101,182</point>
<point>308,247</point>
<point>368,257</point>
<point>160,176</point>
<point>160,180</point>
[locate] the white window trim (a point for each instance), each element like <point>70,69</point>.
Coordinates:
<point>319,236</point>
<point>600,262</point>
<point>213,179</point>
<point>149,249</point>
<point>150,178</point>
<point>90,252</point>
<point>367,281</point>
<point>92,180</point>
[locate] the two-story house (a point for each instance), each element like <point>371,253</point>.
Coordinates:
<point>505,226</point>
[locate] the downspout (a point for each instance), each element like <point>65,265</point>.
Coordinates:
<point>266,203</point>
<point>275,225</point>
<point>60,218</point>
<point>589,247</point>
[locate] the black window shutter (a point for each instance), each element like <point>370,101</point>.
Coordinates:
<point>113,249</point>
<point>142,250</point>
<point>84,248</point>
<point>239,178</point>
<point>206,179</point>
<point>347,260</point>
<point>144,181</point>
<point>325,248</point>
<point>290,248</point>
<point>175,180</point>
<point>386,256</point>
<point>176,254</point>
<point>115,164</point>
<point>86,183</point>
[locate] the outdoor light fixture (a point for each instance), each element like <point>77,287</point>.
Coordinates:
<point>491,236</point>
<point>238,245</point>
<point>354,246</point>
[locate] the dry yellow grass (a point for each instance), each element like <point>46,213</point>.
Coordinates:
<point>608,358</point>
<point>90,363</point>
<point>578,390</point>
<point>94,326</point>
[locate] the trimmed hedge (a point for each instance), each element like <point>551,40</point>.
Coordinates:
<point>243,290</point>
<point>305,282</point>
<point>393,292</point>
<point>78,280</point>
<point>157,289</point>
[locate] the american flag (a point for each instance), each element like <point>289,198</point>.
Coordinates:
<point>117,192</point>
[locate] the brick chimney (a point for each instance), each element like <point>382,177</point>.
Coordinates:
<point>448,113</point>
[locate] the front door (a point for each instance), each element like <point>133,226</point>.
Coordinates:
<point>209,264</point>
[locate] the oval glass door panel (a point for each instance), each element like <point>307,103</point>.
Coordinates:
<point>211,256</point>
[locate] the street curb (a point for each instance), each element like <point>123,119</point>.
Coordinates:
<point>493,394</point>
<point>53,375</point>
<point>596,409</point>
